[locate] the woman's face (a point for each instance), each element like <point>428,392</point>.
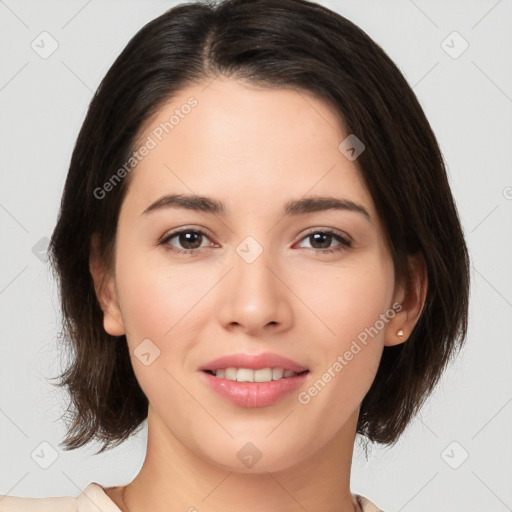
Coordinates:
<point>257,278</point>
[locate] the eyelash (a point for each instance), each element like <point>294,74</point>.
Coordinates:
<point>344,242</point>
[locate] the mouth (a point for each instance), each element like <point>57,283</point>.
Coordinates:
<point>254,380</point>
<point>252,367</point>
<point>247,387</point>
<point>251,375</point>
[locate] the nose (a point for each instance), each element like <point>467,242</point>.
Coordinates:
<point>254,297</point>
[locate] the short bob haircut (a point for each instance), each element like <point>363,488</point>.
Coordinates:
<point>287,44</point>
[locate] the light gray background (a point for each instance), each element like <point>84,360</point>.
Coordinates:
<point>468,101</point>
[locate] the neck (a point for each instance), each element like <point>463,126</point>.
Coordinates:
<point>173,478</point>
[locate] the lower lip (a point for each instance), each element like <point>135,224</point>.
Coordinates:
<point>254,394</point>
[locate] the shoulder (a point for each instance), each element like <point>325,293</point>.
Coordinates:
<point>91,499</point>
<point>366,505</point>
<point>18,504</point>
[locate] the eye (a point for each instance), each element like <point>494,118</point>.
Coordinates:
<point>190,239</point>
<point>324,238</point>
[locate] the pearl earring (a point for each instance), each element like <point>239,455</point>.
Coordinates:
<point>400,333</point>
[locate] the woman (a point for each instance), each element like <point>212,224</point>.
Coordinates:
<point>223,139</point>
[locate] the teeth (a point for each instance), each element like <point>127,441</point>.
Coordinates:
<point>277,373</point>
<point>263,375</point>
<point>230,373</point>
<point>245,375</point>
<point>249,375</point>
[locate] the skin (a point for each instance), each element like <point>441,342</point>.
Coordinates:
<point>254,149</point>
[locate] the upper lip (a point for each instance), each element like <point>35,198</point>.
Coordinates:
<point>254,361</point>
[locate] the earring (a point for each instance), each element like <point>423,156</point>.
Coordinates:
<point>400,333</point>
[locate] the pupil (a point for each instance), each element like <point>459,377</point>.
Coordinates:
<point>315,237</point>
<point>187,238</point>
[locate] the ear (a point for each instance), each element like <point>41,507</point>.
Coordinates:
<point>412,299</point>
<point>106,292</point>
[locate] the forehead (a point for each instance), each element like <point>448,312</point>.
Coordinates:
<point>246,145</point>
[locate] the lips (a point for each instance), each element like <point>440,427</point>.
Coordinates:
<point>254,362</point>
<point>254,394</point>
<point>259,391</point>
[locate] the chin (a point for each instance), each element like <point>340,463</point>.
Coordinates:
<point>266,464</point>
<point>261,455</point>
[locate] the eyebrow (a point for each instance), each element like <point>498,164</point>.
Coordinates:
<point>291,208</point>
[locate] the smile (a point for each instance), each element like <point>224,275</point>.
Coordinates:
<point>247,391</point>
<point>250,375</point>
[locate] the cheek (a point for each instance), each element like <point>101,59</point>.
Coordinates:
<point>348,300</point>
<point>156,296</point>
<point>353,306</point>
<point>164,304</point>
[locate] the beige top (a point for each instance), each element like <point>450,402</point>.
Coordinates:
<point>94,498</point>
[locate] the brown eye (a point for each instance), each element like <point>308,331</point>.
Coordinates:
<point>189,239</point>
<point>322,240</point>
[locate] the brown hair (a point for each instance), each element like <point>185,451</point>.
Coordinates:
<point>283,44</point>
